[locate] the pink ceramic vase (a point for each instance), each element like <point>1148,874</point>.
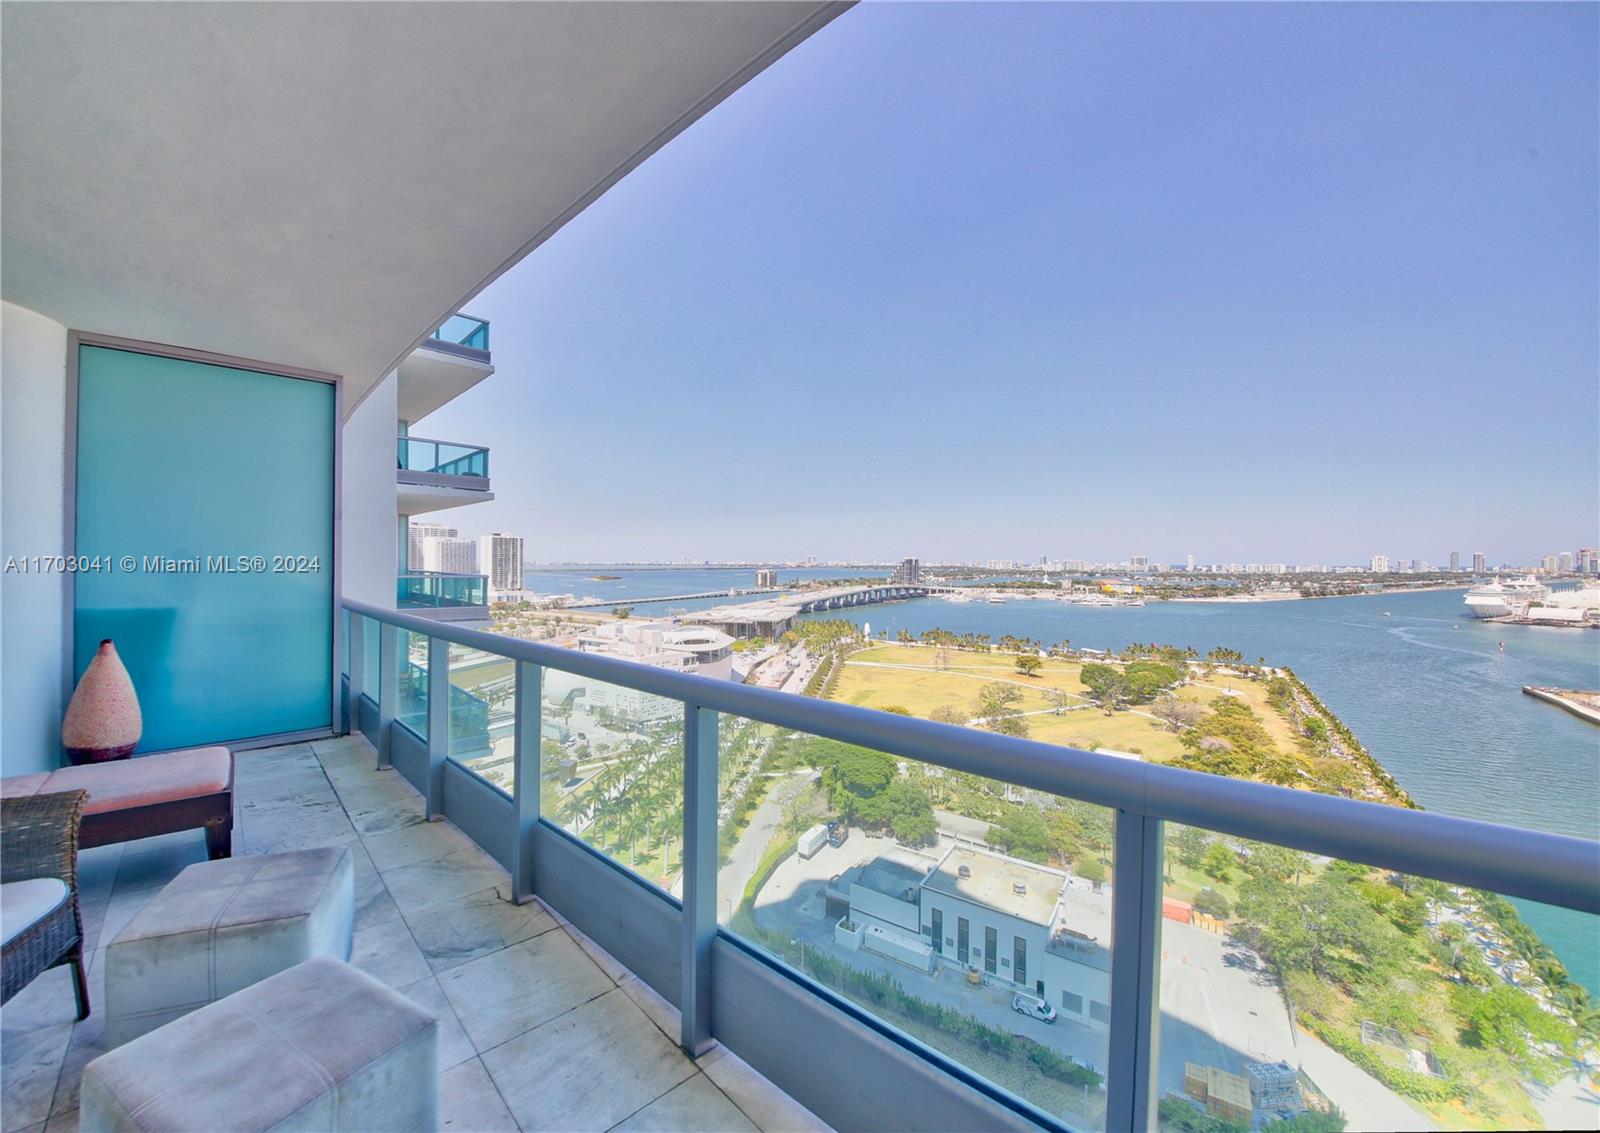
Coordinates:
<point>103,720</point>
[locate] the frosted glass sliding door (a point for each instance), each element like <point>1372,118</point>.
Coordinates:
<point>208,493</point>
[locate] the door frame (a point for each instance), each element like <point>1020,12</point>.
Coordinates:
<point>77,339</point>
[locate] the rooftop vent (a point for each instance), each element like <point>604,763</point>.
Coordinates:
<point>964,871</point>
<point>1019,888</point>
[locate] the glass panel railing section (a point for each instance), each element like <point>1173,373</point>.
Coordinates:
<point>1349,997</point>
<point>370,666</point>
<point>420,590</point>
<point>344,642</point>
<point>464,330</point>
<point>412,711</point>
<point>969,914</point>
<point>482,715</point>
<point>445,458</point>
<point>615,760</point>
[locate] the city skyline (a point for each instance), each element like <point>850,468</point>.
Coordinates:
<point>960,277</point>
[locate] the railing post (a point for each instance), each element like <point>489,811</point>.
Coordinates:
<point>699,874</point>
<point>527,720</point>
<point>1135,973</point>
<point>358,667</point>
<point>388,689</point>
<point>438,722</point>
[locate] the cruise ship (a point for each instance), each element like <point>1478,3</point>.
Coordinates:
<point>1497,599</point>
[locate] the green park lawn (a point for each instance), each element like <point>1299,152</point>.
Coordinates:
<point>912,677</point>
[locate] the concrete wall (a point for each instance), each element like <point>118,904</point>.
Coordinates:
<point>980,917</point>
<point>878,906</point>
<point>369,558</point>
<point>33,392</point>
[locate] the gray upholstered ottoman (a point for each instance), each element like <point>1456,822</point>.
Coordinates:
<point>221,926</point>
<point>321,1046</point>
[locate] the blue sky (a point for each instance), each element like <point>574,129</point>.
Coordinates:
<point>1258,282</point>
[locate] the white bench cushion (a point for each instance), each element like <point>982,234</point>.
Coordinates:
<point>223,925</point>
<point>321,1046</point>
<point>26,903</point>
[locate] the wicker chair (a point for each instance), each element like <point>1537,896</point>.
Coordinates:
<point>39,839</point>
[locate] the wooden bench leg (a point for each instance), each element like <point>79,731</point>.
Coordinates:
<point>80,985</point>
<point>219,839</point>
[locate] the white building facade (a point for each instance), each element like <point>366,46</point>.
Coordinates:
<point>500,557</point>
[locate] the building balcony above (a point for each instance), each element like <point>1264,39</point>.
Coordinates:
<point>433,475</point>
<point>450,361</point>
<point>462,335</point>
<point>443,596</point>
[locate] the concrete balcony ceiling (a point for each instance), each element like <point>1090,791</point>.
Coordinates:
<point>319,185</point>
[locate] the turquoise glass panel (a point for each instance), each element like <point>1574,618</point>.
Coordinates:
<point>412,710</point>
<point>369,666</point>
<point>209,491</point>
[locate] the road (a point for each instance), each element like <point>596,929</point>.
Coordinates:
<point>747,851</point>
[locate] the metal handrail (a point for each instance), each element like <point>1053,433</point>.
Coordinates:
<point>1552,868</point>
<point>437,441</point>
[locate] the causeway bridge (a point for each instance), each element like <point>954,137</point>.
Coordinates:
<point>769,619</point>
<point>594,603</point>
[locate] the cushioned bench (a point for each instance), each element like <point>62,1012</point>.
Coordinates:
<point>145,796</point>
<point>221,926</point>
<point>321,1046</point>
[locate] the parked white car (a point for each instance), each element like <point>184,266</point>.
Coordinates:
<point>1033,1008</point>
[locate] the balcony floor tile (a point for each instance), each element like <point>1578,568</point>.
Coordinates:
<point>695,1104</point>
<point>500,996</point>
<point>587,1069</point>
<point>457,932</point>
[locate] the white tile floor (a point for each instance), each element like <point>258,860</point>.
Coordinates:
<point>538,1028</point>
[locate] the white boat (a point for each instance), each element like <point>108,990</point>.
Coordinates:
<point>1497,599</point>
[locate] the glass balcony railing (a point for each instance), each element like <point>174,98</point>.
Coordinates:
<point>426,589</point>
<point>463,330</point>
<point>1114,945</point>
<point>443,458</point>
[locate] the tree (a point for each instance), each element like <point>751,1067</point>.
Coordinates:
<point>1106,684</point>
<point>1022,833</point>
<point>1189,844</point>
<point>621,612</point>
<point>1028,664</point>
<point>949,714</point>
<point>1276,862</point>
<point>1316,730</point>
<point>1092,870</point>
<point>1506,1018</point>
<point>1219,861</point>
<point>1058,699</point>
<point>998,705</point>
<point>1326,928</point>
<point>1144,679</point>
<point>896,709</point>
<point>1177,714</point>
<point>1012,724</point>
<point>1212,903</point>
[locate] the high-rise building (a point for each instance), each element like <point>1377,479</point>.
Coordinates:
<point>1379,564</point>
<point>1480,562</point>
<point>1550,564</point>
<point>1588,560</point>
<point>766,579</point>
<point>500,557</point>
<point>1141,562</point>
<point>415,535</point>
<point>449,555</point>
<point>908,573</point>
<point>1455,560</point>
<point>1564,561</point>
<point>1189,562</point>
